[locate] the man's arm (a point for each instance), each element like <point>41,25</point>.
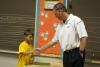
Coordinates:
<point>80,26</point>
<point>48,45</point>
<point>83,42</point>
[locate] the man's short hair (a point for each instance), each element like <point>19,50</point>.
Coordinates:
<point>28,32</point>
<point>60,6</point>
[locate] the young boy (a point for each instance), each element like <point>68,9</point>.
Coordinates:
<point>26,49</point>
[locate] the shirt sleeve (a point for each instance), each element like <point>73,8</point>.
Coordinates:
<point>81,29</point>
<point>55,38</point>
<point>21,48</point>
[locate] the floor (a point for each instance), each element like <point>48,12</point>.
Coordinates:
<point>8,60</point>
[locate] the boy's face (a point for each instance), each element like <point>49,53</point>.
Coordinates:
<point>29,38</point>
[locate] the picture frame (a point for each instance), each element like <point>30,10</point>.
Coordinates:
<point>49,4</point>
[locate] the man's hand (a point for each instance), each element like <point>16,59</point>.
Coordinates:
<point>81,54</point>
<point>83,41</point>
<point>37,51</point>
<point>48,45</point>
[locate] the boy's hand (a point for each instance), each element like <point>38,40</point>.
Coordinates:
<point>32,52</point>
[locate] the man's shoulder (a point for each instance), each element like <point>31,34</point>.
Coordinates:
<point>76,17</point>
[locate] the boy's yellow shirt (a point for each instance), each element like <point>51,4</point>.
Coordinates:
<point>24,60</point>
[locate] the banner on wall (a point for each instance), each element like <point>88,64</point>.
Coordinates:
<point>49,4</point>
<point>45,25</point>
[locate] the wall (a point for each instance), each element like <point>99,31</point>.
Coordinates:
<point>89,11</point>
<point>15,17</point>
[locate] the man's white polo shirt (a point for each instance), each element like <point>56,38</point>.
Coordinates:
<point>70,32</point>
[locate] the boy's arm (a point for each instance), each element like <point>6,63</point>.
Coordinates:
<point>26,53</point>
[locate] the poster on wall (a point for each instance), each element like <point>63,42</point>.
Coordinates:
<point>49,4</point>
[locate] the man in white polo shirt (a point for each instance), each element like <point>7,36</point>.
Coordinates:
<point>71,34</point>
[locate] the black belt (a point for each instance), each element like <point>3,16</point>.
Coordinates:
<point>71,50</point>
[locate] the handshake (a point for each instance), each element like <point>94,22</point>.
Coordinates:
<point>34,51</point>
<point>37,51</point>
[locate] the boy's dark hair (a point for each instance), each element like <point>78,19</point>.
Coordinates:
<point>28,32</point>
<point>60,6</point>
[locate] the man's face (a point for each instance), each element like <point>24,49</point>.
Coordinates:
<point>58,14</point>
